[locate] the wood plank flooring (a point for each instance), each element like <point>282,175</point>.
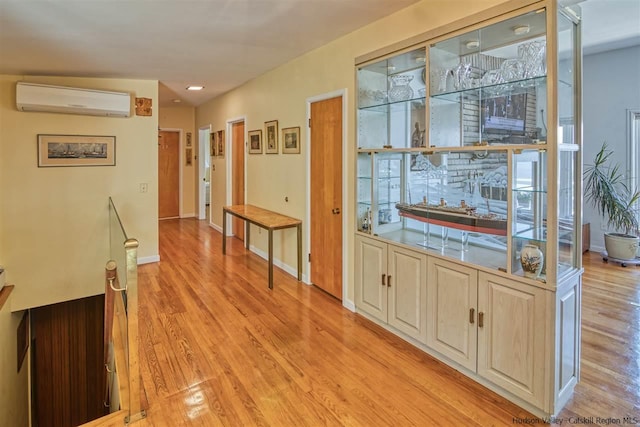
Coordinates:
<point>217,347</point>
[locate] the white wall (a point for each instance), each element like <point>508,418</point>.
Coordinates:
<point>281,95</point>
<point>611,86</point>
<point>14,390</point>
<point>54,221</point>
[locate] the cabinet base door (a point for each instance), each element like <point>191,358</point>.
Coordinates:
<point>511,341</point>
<point>452,294</point>
<point>371,290</point>
<point>407,287</point>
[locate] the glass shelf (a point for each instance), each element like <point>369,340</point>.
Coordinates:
<point>383,106</point>
<point>538,234</point>
<point>514,87</point>
<point>459,165</point>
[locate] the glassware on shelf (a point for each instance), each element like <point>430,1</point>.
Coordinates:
<point>512,69</point>
<point>534,56</point>
<point>400,89</point>
<point>491,77</point>
<point>443,79</point>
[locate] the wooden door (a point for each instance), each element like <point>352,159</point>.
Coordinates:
<point>452,325</point>
<point>371,271</point>
<point>407,292</point>
<point>511,336</point>
<point>67,372</point>
<point>237,170</point>
<point>168,174</point>
<point>326,195</point>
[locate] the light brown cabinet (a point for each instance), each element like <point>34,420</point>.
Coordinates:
<point>468,150</point>
<point>391,286</point>
<point>489,325</point>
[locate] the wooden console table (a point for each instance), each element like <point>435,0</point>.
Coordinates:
<point>268,220</point>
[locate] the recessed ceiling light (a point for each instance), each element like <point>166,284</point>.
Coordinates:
<point>521,30</point>
<point>421,60</point>
<point>195,87</point>
<point>177,101</point>
<point>472,44</point>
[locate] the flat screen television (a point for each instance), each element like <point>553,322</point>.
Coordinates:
<point>504,114</point>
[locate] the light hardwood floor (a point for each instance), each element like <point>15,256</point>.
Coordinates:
<point>217,347</point>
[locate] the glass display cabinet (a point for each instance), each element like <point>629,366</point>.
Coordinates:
<point>467,162</point>
<point>468,167</point>
<point>391,102</point>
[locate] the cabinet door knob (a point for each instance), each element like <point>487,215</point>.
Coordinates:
<point>389,280</point>
<point>480,319</point>
<point>472,317</point>
<point>384,276</point>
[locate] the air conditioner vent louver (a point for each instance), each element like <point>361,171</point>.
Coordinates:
<point>68,100</point>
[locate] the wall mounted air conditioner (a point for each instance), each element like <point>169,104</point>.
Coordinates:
<point>69,100</point>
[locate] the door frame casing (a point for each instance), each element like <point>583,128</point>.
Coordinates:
<point>180,171</point>
<point>202,149</point>
<point>346,208</point>
<point>228,148</point>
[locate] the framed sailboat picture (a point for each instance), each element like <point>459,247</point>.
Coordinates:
<point>76,150</point>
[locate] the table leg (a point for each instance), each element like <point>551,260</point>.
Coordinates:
<point>299,227</point>
<point>224,232</point>
<point>270,259</point>
<point>247,236</point>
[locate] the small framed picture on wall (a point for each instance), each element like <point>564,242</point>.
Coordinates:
<point>220,150</point>
<point>255,141</point>
<point>291,140</point>
<point>271,135</point>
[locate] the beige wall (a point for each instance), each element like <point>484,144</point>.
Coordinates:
<point>282,93</point>
<point>54,221</point>
<point>14,404</point>
<point>183,118</point>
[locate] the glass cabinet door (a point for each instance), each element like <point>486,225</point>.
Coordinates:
<point>387,188</point>
<point>456,203</point>
<point>529,211</point>
<point>364,178</point>
<point>488,86</point>
<point>391,102</point>
<point>569,64</point>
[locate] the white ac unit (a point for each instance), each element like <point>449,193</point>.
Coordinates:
<point>70,100</point>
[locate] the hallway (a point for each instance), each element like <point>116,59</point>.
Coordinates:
<point>218,348</point>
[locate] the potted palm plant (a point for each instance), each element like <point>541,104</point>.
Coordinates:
<point>606,190</point>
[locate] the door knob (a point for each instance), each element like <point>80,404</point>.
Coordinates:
<point>335,211</point>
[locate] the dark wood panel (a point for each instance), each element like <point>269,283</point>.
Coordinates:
<point>68,373</point>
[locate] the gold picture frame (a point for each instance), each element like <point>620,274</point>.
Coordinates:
<point>220,149</point>
<point>213,143</point>
<point>291,140</point>
<point>255,141</point>
<point>76,150</point>
<point>271,137</point>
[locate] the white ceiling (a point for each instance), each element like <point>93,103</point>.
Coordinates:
<point>219,44</point>
<point>216,43</point>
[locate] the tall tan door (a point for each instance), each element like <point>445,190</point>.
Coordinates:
<point>237,197</point>
<point>326,195</point>
<point>168,172</point>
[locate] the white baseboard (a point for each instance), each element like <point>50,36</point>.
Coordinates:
<point>188,215</point>
<point>594,248</point>
<point>148,259</point>
<point>278,263</point>
<point>349,305</point>
<point>215,227</point>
